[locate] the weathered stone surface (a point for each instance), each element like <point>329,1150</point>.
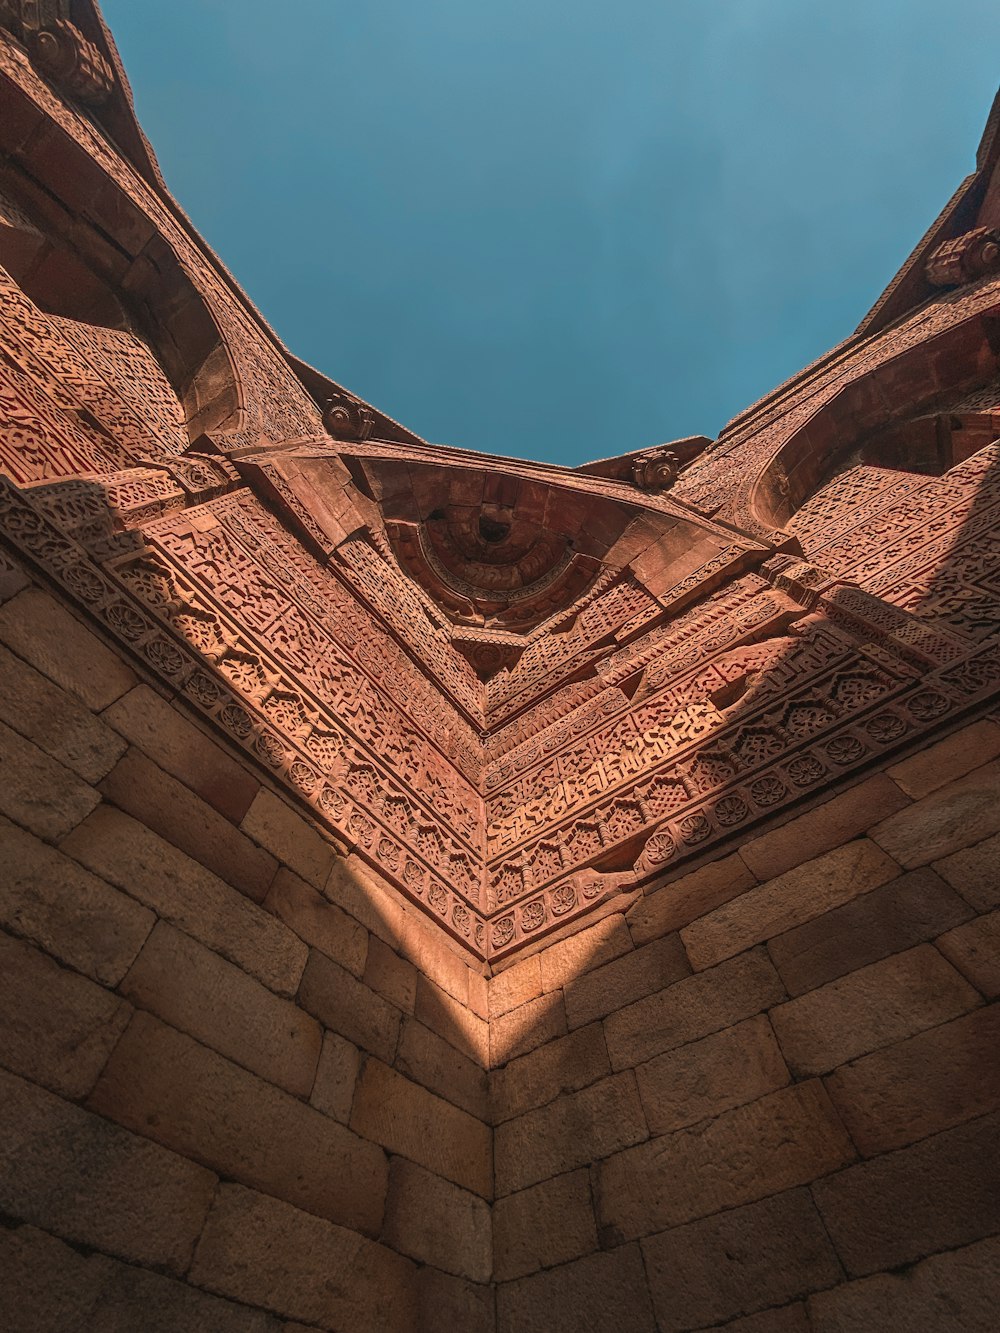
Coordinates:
<point>276,826</point>
<point>437,1223</point>
<point>692,1008</point>
<point>431,1061</point>
<point>639,973</point>
<point>915,907</point>
<point>57,722</point>
<point>941,1192</point>
<point>522,1030</point>
<point>73,1173</point>
<point>515,985</point>
<point>345,1005</point>
<point>936,1079</point>
<point>603,1291</point>
<point>584,950</point>
<point>975,873</point>
<point>336,1077</point>
<point>128,854</point>
<point>706,1077</point>
<point>564,1065</point>
<point>794,897</point>
<point>869,1008</point>
<point>393,977</point>
<point>320,923</point>
<point>785,1139</point>
<point>51,900</point>
<point>829,826</point>
<point>58,1027</point>
<point>948,1291</point>
<point>738,1262</point>
<point>162,803</point>
<point>60,646</point>
<point>38,792</point>
<point>571,1131</point>
<point>681,901</point>
<point>951,758</point>
<point>544,1225</point>
<point>51,1288</point>
<point>165,1085</point>
<point>448,1302</point>
<point>171,739</point>
<point>783,1319</point>
<point>265,1252</point>
<point>407,1119</point>
<point>975,950</point>
<point>955,816</point>
<point>453,1020</point>
<point>193,989</point>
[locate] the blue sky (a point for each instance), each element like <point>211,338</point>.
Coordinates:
<point>562,230</point>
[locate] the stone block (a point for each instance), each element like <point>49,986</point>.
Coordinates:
<point>434,1063</point>
<point>93,1183</point>
<point>948,759</point>
<point>452,1020</point>
<point>544,1225</point>
<point>783,1140</point>
<point>434,956</point>
<point>154,798</point>
<point>46,634</point>
<point>49,899</point>
<point>522,1030</point>
<point>287,835</point>
<point>320,923</point>
<point>336,1077</point>
<point>928,1083</point>
<point>933,1195</point>
<point>37,791</point>
<point>739,1262</point>
<point>667,908</point>
<point>121,850</point>
<point>602,1291</point>
<point>436,1222</point>
<point>838,820</point>
<point>798,895</point>
<point>515,985</point>
<point>195,990</point>
<point>58,1027</point>
<point>564,1065</point>
<point>479,995</point>
<point>952,818</point>
<point>448,1302</point>
<point>975,950</point>
<point>642,972</point>
<point>265,1252</point>
<point>781,1319</point>
<point>704,1078</point>
<point>959,1291</point>
<point>51,1288</point>
<point>391,976</point>
<point>405,1118</point>
<point>345,1005</point>
<point>975,873</point>
<point>584,950</point>
<point>175,743</point>
<point>915,907</point>
<point>57,722</point>
<point>872,1007</point>
<point>692,1008</point>
<point>574,1130</point>
<point>163,1084</point>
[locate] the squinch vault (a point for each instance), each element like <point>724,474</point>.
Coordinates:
<point>442,891</point>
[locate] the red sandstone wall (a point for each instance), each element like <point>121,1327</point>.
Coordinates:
<point>765,1097</point>
<point>240,1083</point>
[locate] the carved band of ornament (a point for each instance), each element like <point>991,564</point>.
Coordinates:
<point>59,48</point>
<point>964,258</point>
<point>171,659</point>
